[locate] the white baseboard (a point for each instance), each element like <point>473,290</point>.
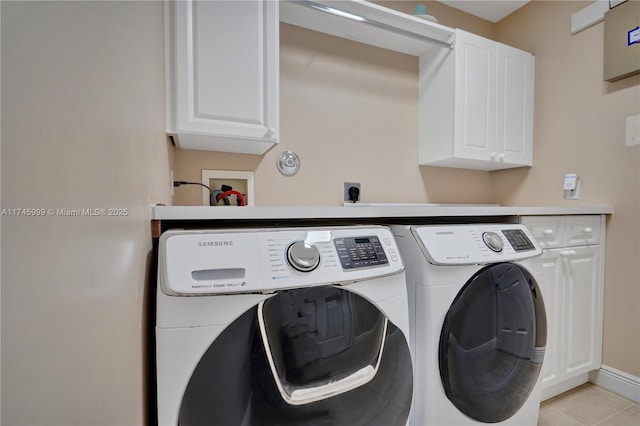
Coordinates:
<point>619,382</point>
<point>564,386</point>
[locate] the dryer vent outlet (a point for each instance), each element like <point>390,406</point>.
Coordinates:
<point>351,192</point>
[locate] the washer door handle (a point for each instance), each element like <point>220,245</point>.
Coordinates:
<point>300,395</point>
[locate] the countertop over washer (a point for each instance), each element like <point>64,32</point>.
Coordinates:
<point>399,211</point>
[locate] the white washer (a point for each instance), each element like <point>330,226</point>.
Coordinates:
<point>294,326</point>
<point>478,325</point>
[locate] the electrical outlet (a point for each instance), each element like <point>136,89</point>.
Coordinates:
<point>571,186</point>
<point>573,194</point>
<point>351,192</point>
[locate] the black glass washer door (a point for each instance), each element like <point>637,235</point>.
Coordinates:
<point>492,343</point>
<point>315,334</point>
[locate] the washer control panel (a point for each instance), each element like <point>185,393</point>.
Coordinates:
<point>265,260</point>
<point>359,252</point>
<point>476,244</point>
<point>519,240</point>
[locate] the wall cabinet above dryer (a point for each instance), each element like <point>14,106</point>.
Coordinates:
<point>222,75</point>
<point>476,106</point>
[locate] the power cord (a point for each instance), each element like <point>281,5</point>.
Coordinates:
<point>177,183</point>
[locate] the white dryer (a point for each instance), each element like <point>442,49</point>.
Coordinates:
<point>478,324</point>
<point>298,326</point>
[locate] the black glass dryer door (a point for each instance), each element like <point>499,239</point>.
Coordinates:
<point>285,361</point>
<point>492,343</point>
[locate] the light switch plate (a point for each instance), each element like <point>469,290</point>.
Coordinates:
<point>633,130</point>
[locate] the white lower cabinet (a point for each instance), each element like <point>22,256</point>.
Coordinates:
<point>572,288</point>
<point>571,291</point>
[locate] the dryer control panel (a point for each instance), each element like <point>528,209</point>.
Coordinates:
<point>266,260</point>
<point>476,244</point>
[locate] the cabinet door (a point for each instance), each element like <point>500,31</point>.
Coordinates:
<point>475,96</point>
<point>582,310</point>
<point>514,88</point>
<point>225,74</point>
<point>552,294</point>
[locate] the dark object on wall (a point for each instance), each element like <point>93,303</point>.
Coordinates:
<point>622,41</point>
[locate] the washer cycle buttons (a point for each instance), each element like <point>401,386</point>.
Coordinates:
<point>518,240</point>
<point>360,252</point>
<point>303,256</point>
<point>493,241</point>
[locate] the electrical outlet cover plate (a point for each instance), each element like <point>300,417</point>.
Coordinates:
<point>348,185</point>
<point>573,194</point>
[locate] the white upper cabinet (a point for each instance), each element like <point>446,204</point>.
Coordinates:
<point>222,75</point>
<point>476,105</point>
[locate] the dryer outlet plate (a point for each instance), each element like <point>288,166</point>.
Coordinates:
<point>349,185</point>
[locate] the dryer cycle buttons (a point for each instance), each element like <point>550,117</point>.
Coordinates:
<point>493,241</point>
<point>303,256</point>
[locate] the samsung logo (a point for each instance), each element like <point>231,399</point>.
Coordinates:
<point>226,243</point>
<point>444,233</point>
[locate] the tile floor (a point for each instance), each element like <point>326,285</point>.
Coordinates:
<point>589,405</point>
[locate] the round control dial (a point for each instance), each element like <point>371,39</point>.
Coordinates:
<point>493,241</point>
<point>303,256</point>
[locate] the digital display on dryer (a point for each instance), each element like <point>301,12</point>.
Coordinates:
<point>518,240</point>
<point>360,252</point>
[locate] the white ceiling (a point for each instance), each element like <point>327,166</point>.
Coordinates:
<point>491,10</point>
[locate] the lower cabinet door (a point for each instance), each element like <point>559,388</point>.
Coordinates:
<point>572,294</point>
<point>552,289</point>
<point>583,301</point>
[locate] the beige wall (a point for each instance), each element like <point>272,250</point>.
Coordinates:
<point>350,112</point>
<point>580,127</point>
<point>82,127</point>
